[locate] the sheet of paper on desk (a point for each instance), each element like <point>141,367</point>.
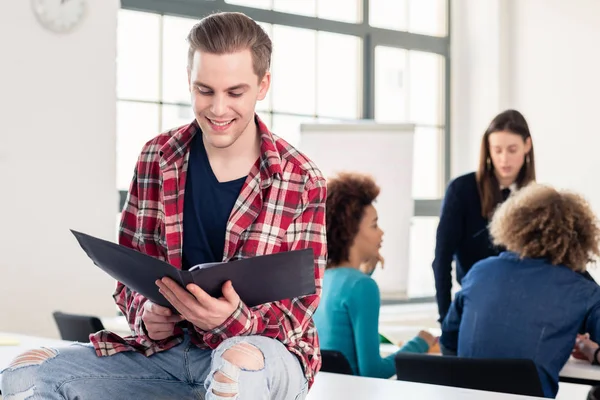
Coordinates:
<point>8,341</point>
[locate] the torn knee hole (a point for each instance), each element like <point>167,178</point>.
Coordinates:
<point>245,356</point>
<point>33,357</point>
<point>224,385</point>
<point>221,377</point>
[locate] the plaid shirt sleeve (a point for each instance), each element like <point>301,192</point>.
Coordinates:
<point>129,302</point>
<point>288,319</point>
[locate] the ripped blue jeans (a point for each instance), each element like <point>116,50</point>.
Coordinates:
<point>183,372</point>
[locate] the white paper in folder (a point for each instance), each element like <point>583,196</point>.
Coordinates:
<point>384,151</point>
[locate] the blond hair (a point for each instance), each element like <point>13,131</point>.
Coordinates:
<point>541,222</point>
<point>229,32</point>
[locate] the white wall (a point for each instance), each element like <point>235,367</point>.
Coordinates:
<point>57,164</point>
<point>556,81</point>
<point>540,57</point>
<point>478,41</point>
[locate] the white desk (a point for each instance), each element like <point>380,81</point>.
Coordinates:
<point>117,325</point>
<point>580,371</point>
<point>326,385</point>
<point>336,386</point>
<point>575,371</point>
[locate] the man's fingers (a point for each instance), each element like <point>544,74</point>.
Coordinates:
<point>200,295</point>
<point>159,331</point>
<point>156,309</point>
<point>158,327</point>
<point>155,318</point>
<point>159,335</point>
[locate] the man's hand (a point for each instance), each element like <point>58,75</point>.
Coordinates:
<point>584,348</point>
<point>197,306</point>
<point>159,321</point>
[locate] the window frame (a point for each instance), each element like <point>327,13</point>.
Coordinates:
<point>371,37</point>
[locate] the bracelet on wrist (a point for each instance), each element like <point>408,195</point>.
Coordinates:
<point>595,359</point>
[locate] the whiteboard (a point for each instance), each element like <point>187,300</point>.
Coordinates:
<point>385,151</point>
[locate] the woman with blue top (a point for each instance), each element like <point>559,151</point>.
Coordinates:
<point>347,318</point>
<point>531,301</point>
<point>506,164</point>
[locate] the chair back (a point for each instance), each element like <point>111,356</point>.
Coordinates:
<point>515,376</point>
<point>76,327</point>
<point>334,361</point>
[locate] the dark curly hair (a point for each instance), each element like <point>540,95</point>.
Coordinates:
<point>347,196</point>
<point>541,222</point>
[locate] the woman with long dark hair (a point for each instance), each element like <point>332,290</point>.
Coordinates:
<point>506,164</point>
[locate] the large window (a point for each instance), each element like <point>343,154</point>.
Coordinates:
<point>374,59</point>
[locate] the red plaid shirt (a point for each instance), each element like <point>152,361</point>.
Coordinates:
<point>281,207</point>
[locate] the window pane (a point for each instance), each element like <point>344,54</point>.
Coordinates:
<point>136,124</point>
<point>390,84</point>
<point>175,116</point>
<point>175,54</point>
<point>138,55</point>
<point>302,7</point>
<point>265,104</point>
<point>266,118</point>
<point>294,73</point>
<point>389,14</point>
<point>288,127</point>
<point>426,88</point>
<point>338,75</point>
<point>427,163</point>
<point>330,9</point>
<point>266,4</point>
<point>428,17</point>
<point>422,247</point>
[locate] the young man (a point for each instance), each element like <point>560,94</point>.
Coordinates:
<point>220,188</point>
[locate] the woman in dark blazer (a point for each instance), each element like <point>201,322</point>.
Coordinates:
<point>506,164</point>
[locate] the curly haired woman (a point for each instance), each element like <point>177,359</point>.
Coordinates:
<point>532,300</point>
<point>348,316</point>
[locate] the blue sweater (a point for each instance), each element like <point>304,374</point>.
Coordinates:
<point>347,320</point>
<point>522,308</point>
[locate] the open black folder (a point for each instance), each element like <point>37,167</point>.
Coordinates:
<point>258,280</point>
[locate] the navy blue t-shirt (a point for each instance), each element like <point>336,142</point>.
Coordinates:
<point>207,206</point>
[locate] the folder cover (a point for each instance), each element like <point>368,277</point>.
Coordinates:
<point>258,280</point>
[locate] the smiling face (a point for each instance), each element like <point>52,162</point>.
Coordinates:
<point>508,151</point>
<point>224,90</point>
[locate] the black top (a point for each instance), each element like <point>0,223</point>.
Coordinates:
<point>462,235</point>
<point>207,206</point>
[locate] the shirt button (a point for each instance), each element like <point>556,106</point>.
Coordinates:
<point>214,340</point>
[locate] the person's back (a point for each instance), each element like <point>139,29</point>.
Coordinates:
<point>524,308</point>
<point>531,301</point>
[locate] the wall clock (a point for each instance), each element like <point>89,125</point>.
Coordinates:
<point>59,15</point>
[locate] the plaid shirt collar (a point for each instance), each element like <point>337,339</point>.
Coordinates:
<point>177,147</point>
